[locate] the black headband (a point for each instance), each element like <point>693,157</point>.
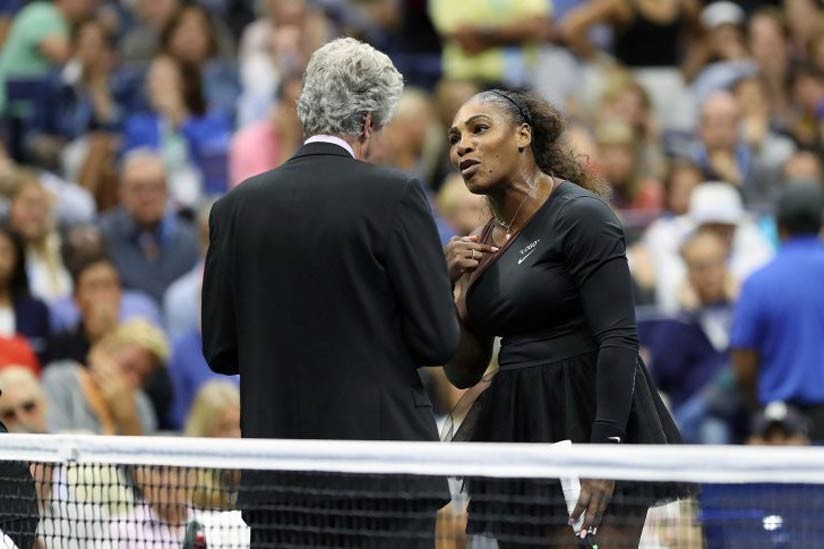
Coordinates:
<point>523,109</point>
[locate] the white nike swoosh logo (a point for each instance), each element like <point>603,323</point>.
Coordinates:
<point>527,255</point>
<point>614,439</point>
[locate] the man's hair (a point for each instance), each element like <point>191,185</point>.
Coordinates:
<point>344,81</point>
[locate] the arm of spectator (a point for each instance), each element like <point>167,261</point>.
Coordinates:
<point>56,48</point>
<point>98,168</point>
<point>475,39</point>
<point>745,363</point>
<point>578,22</point>
<point>417,271</point>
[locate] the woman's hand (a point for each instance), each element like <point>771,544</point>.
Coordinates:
<point>594,497</point>
<point>464,254</point>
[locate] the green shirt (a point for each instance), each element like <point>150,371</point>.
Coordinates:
<point>21,55</point>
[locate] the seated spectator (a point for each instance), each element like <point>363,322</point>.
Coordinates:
<point>23,403</point>
<point>803,166</point>
<point>20,312</point>
<point>139,44</point>
<point>150,247</point>
<point>38,40</point>
<point>715,207</point>
<point>779,425</point>
<point>87,96</point>
<point>490,41</point>
<point>215,413</point>
<point>462,210</point>
<point>768,41</point>
<point>723,155</point>
<point>16,351</point>
<point>779,317</point>
<point>277,44</point>
<point>31,215</point>
<point>81,244</point>
<point>265,145</point>
<point>181,302</point>
<point>619,161</point>
<point>448,97</point>
<point>182,129</point>
<point>698,378</point>
<point>199,44</point>
<point>807,90</point>
<point>105,396</point>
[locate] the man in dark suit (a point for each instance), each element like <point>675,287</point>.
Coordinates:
<point>326,288</point>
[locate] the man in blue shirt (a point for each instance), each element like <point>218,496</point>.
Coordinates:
<point>778,326</point>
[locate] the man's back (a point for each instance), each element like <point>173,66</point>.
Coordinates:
<point>781,314</point>
<point>326,288</point>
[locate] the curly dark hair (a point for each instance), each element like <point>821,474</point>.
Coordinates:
<point>547,128</point>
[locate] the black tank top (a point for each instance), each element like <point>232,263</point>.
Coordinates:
<point>648,43</point>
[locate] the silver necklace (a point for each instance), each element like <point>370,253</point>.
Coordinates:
<point>508,226</point>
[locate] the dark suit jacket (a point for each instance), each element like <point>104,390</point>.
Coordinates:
<point>31,316</point>
<point>326,288</point>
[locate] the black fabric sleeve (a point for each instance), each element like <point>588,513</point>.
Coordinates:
<point>417,271</point>
<point>595,250</point>
<point>218,309</point>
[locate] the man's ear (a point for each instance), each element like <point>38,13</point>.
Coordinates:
<point>367,129</point>
<point>524,137</point>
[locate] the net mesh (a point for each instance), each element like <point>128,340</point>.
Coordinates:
<point>81,491</point>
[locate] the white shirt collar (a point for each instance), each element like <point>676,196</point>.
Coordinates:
<point>331,139</point>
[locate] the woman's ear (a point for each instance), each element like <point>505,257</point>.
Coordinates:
<point>524,137</point>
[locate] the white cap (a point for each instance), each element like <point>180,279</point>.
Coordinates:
<point>716,202</point>
<point>722,13</point>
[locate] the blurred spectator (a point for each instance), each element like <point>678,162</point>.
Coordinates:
<point>649,37</point>
<point>448,96</point>
<point>20,313</point>
<point>756,124</point>
<point>462,210</point>
<point>698,378</point>
<point>803,166</point>
<point>619,161</point>
<point>23,402</point>
<point>150,247</point>
<point>193,39</point>
<point>83,246</point>
<point>215,411</point>
<point>97,297</point>
<point>779,318</point>
<point>768,41</point>
<point>15,350</point>
<point>274,46</point>
<point>105,397</point>
<point>721,54</point>
<point>182,129</point>
<point>715,207</point>
<point>724,155</point>
<point>85,96</point>
<point>139,45</point>
<point>181,302</point>
<point>807,91</point>
<point>491,41</point>
<point>39,39</point>
<point>265,145</point>
<point>779,425</point>
<point>804,20</point>
<point>31,215</point>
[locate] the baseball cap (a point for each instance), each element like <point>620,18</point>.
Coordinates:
<point>781,414</point>
<point>722,13</point>
<point>715,202</point>
<point>800,207</point>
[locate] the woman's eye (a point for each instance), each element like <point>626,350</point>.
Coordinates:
<point>453,139</point>
<point>481,129</point>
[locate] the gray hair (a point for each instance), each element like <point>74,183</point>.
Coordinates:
<point>345,80</point>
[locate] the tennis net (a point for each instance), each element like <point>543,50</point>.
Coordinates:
<point>92,491</point>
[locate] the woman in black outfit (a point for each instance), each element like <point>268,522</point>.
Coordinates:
<point>548,274</point>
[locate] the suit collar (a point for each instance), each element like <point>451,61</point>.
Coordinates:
<point>311,149</point>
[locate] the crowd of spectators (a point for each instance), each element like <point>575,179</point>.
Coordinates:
<point>123,120</point>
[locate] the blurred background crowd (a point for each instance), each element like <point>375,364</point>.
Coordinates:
<point>123,120</point>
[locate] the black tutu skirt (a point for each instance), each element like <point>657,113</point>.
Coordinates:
<point>550,403</point>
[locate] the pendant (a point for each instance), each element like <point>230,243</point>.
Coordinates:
<point>507,236</point>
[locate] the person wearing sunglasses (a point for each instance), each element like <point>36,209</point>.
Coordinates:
<point>23,402</point>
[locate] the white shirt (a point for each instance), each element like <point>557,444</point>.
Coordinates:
<point>331,139</point>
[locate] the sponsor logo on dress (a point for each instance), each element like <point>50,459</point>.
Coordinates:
<point>526,252</point>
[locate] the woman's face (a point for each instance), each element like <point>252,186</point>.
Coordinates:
<point>617,163</point>
<point>190,39</point>
<point>682,183</point>
<point>751,97</point>
<point>8,261</point>
<point>163,79</point>
<point>92,49</point>
<point>484,145</point>
<point>31,213</point>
